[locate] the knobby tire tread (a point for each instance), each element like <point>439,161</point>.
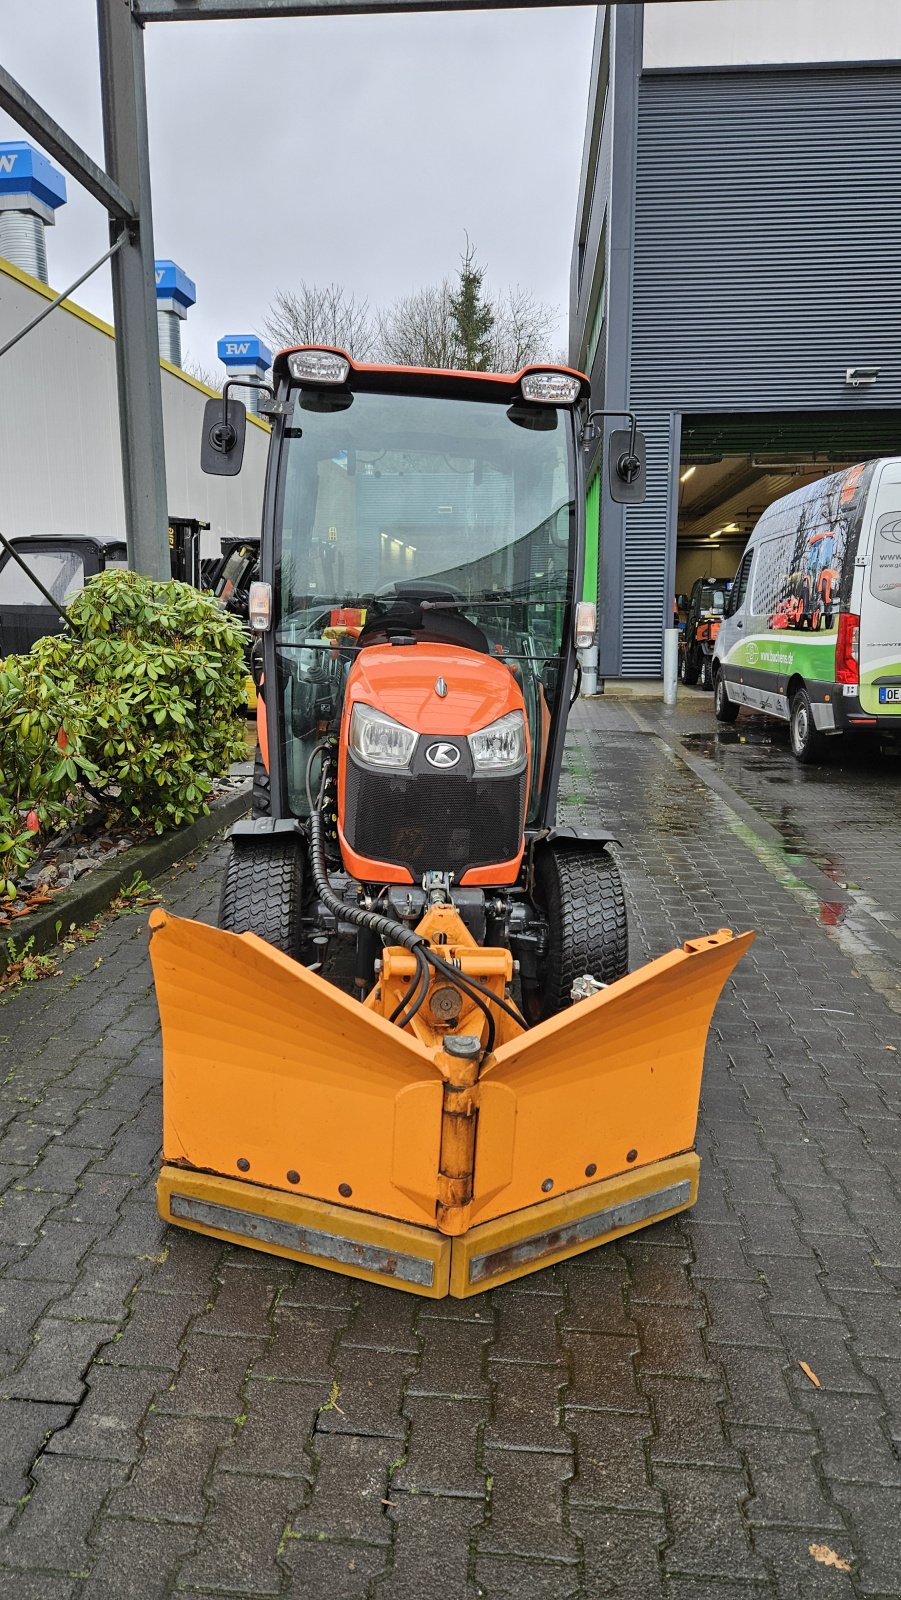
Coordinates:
<point>262,893</point>
<point>583,898</point>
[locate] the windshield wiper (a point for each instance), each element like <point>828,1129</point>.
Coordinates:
<point>485,600</point>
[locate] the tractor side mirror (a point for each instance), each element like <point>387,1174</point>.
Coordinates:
<point>222,441</point>
<point>626,467</point>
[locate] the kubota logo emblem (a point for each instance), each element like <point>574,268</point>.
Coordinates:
<point>442,755</point>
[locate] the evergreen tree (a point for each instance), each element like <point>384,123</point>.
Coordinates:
<point>472,315</point>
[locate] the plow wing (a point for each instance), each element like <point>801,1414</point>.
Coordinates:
<point>301,1122</point>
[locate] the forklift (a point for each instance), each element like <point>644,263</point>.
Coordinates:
<point>412,1049</point>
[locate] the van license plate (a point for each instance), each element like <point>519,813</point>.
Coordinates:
<point>890,696</point>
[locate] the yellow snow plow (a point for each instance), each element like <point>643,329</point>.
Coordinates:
<point>412,1050</point>
<point>301,1122</point>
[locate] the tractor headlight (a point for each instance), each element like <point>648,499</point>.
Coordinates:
<point>379,740</point>
<point>502,744</point>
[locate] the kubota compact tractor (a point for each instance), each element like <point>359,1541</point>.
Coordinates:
<point>412,1050</point>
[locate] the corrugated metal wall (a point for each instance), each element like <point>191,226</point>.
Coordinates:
<point>767,250</point>
<point>645,557</point>
<point>767,238</point>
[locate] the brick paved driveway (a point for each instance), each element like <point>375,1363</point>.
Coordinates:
<point>182,1417</point>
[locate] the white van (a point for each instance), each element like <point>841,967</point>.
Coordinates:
<point>812,630</point>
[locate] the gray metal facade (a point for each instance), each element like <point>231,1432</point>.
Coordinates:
<point>763,248</point>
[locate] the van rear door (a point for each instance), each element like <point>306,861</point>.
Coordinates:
<point>880,603</point>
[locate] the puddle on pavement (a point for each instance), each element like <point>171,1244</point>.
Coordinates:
<point>707,744</point>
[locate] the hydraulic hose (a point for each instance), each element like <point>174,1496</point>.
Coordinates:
<point>386,927</point>
<point>393,932</point>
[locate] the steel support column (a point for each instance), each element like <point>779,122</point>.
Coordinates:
<point>124,101</point>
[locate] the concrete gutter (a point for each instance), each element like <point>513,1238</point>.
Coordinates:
<point>96,890</point>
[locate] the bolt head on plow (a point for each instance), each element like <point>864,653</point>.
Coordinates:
<point>300,1122</point>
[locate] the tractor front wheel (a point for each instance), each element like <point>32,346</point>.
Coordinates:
<point>262,893</point>
<point>580,895</point>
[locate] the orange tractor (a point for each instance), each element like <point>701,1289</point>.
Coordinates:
<point>412,1050</point>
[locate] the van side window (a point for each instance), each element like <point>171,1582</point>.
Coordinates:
<point>740,586</point>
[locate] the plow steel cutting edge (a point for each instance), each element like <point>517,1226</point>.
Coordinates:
<point>300,1122</point>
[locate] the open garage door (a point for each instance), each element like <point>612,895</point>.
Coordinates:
<point>732,467</point>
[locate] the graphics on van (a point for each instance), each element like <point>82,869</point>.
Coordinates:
<point>799,571</point>
<point>885,568</point>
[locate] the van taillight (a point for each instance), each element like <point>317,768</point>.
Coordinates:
<point>847,649</point>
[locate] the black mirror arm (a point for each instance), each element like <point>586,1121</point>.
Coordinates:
<point>272,409</point>
<point>628,465</point>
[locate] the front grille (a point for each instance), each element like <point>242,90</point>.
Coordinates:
<point>431,823</point>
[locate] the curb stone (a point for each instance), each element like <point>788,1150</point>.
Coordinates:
<point>98,889</point>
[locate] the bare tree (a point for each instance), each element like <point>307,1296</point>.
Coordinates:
<point>524,330</point>
<point>440,325</point>
<point>420,329</point>
<point>196,369</point>
<point>320,314</point>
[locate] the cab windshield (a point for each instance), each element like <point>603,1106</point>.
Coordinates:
<point>452,518</point>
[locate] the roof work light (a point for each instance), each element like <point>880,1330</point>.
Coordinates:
<point>551,388</point>
<point>318,366</point>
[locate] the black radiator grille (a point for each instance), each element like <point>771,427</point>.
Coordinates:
<point>434,823</point>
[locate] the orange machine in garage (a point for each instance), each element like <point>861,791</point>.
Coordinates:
<point>412,1050</point>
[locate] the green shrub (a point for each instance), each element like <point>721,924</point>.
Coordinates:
<point>137,705</point>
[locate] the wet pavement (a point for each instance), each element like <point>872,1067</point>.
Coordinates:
<point>711,1408</point>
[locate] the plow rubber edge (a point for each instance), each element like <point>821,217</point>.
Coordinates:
<point>420,1260</point>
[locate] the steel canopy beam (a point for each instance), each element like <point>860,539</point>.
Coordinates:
<point>35,120</point>
<point>124,100</point>
<point>230,10</point>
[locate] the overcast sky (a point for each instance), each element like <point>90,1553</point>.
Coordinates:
<point>348,149</point>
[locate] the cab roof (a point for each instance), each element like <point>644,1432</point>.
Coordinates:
<point>61,540</point>
<point>454,383</point>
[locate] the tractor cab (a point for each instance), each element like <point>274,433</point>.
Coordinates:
<point>425,566</point>
<point>62,563</point>
<point>412,1049</point>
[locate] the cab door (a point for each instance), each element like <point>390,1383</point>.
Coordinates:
<point>880,601</point>
<point>731,636</point>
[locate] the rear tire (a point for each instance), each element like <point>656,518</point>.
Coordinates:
<point>807,743</point>
<point>262,893</point>
<point>724,709</point>
<point>580,893</point>
<point>260,799</point>
<point>688,674</point>
<point>706,672</point>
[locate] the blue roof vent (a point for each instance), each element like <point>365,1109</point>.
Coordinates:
<point>244,352</point>
<point>26,175</point>
<point>175,291</point>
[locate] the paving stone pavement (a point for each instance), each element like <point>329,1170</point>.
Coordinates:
<point>178,1417</point>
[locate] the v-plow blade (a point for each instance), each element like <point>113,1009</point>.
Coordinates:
<point>300,1122</point>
